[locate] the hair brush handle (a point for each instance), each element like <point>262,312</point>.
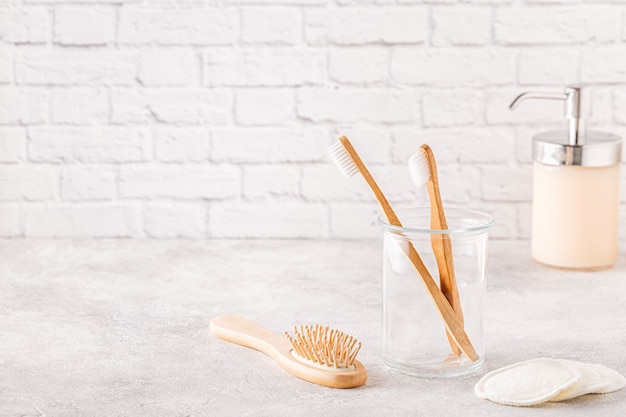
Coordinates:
<point>241,331</point>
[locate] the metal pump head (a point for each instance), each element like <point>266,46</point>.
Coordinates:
<point>577,109</point>
<point>577,146</point>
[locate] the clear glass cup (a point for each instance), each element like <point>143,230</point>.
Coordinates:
<point>414,335</point>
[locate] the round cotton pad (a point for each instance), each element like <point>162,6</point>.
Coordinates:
<point>527,383</point>
<point>595,379</point>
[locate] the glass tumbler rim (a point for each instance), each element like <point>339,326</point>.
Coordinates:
<point>481,221</point>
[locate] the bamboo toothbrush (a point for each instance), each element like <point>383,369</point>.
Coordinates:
<point>316,354</point>
<point>423,170</point>
<point>349,163</point>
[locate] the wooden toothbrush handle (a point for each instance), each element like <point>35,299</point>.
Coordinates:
<point>442,246</point>
<point>442,249</point>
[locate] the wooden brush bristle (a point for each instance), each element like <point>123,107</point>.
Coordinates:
<point>324,346</point>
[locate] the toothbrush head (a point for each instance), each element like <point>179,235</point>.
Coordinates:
<point>342,159</point>
<point>419,167</point>
<point>324,347</point>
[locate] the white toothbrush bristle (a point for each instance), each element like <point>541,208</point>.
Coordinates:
<point>419,169</point>
<point>342,160</point>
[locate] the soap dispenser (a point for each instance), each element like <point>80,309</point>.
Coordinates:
<point>575,189</point>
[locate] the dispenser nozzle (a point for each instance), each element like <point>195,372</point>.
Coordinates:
<point>545,96</point>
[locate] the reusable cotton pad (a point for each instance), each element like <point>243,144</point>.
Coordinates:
<point>527,383</point>
<point>596,379</point>
<point>539,380</point>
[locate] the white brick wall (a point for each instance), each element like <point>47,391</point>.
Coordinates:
<point>211,119</point>
<point>84,26</point>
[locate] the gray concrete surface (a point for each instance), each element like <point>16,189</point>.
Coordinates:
<point>118,328</point>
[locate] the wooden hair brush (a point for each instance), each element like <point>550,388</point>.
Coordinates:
<point>316,354</point>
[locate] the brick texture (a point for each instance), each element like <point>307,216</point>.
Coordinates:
<point>178,27</point>
<point>211,119</point>
<point>80,26</point>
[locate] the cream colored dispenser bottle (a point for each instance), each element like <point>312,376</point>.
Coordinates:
<point>575,189</point>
